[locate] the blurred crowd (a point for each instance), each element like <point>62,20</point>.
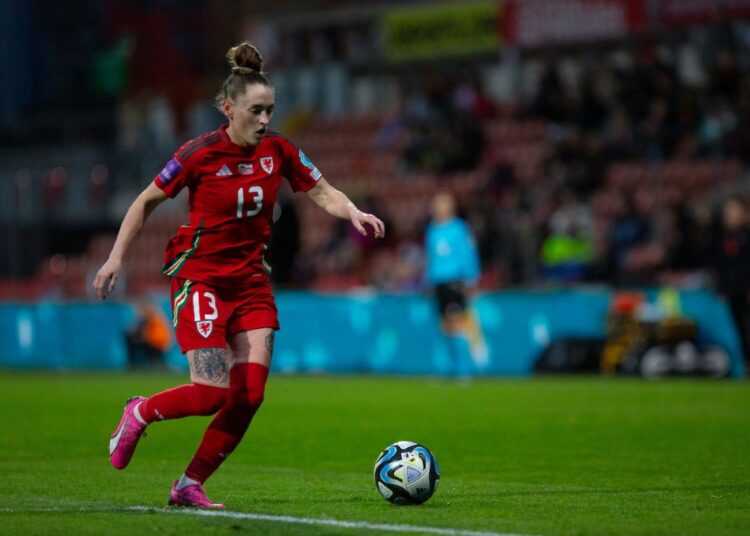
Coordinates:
<point>617,120</point>
<point>656,102</point>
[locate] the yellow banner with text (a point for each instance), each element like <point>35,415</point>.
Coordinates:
<point>417,32</point>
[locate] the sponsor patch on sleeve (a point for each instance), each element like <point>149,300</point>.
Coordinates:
<point>314,172</point>
<point>170,171</point>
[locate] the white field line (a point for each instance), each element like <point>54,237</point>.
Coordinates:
<point>361,525</point>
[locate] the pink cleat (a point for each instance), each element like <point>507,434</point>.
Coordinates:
<point>192,497</point>
<point>123,442</point>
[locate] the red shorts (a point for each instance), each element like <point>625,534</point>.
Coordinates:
<point>205,316</point>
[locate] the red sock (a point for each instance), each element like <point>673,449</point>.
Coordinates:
<point>247,382</point>
<point>183,401</point>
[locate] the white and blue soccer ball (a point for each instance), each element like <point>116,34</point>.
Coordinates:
<point>406,473</point>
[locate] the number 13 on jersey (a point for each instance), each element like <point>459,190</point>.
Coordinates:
<point>256,200</point>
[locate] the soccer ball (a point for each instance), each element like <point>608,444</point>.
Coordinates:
<point>406,473</point>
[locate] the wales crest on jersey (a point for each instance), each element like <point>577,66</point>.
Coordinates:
<point>266,163</point>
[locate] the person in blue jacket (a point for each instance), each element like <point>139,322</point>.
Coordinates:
<point>452,270</point>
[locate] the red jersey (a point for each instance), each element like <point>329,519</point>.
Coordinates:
<point>232,190</point>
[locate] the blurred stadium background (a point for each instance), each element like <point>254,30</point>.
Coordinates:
<point>598,149</point>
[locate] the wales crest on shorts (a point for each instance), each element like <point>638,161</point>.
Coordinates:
<point>205,327</point>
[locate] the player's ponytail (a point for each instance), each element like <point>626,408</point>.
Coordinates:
<point>246,66</point>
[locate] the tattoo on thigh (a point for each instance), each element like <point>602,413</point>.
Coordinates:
<point>269,342</point>
<point>211,364</point>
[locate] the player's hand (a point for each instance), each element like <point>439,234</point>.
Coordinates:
<point>359,219</point>
<point>106,277</point>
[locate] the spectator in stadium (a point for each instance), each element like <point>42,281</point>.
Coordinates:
<point>686,236</point>
<point>567,251</point>
<point>452,269</point>
<point>224,312</point>
<point>442,126</point>
<point>285,241</point>
<point>731,265</point>
<point>629,241</point>
<point>148,339</point>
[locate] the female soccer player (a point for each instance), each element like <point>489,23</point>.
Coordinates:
<point>223,310</point>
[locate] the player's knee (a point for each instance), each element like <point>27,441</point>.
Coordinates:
<point>250,396</point>
<point>255,396</point>
<point>247,385</point>
<point>209,399</point>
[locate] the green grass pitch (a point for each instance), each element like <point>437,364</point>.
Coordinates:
<point>539,456</point>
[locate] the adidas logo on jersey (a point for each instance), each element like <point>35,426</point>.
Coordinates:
<point>224,171</point>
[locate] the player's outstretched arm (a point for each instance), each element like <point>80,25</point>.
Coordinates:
<point>136,216</point>
<point>336,203</point>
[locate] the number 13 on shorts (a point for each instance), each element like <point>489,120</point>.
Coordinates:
<point>213,315</point>
<point>204,324</point>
